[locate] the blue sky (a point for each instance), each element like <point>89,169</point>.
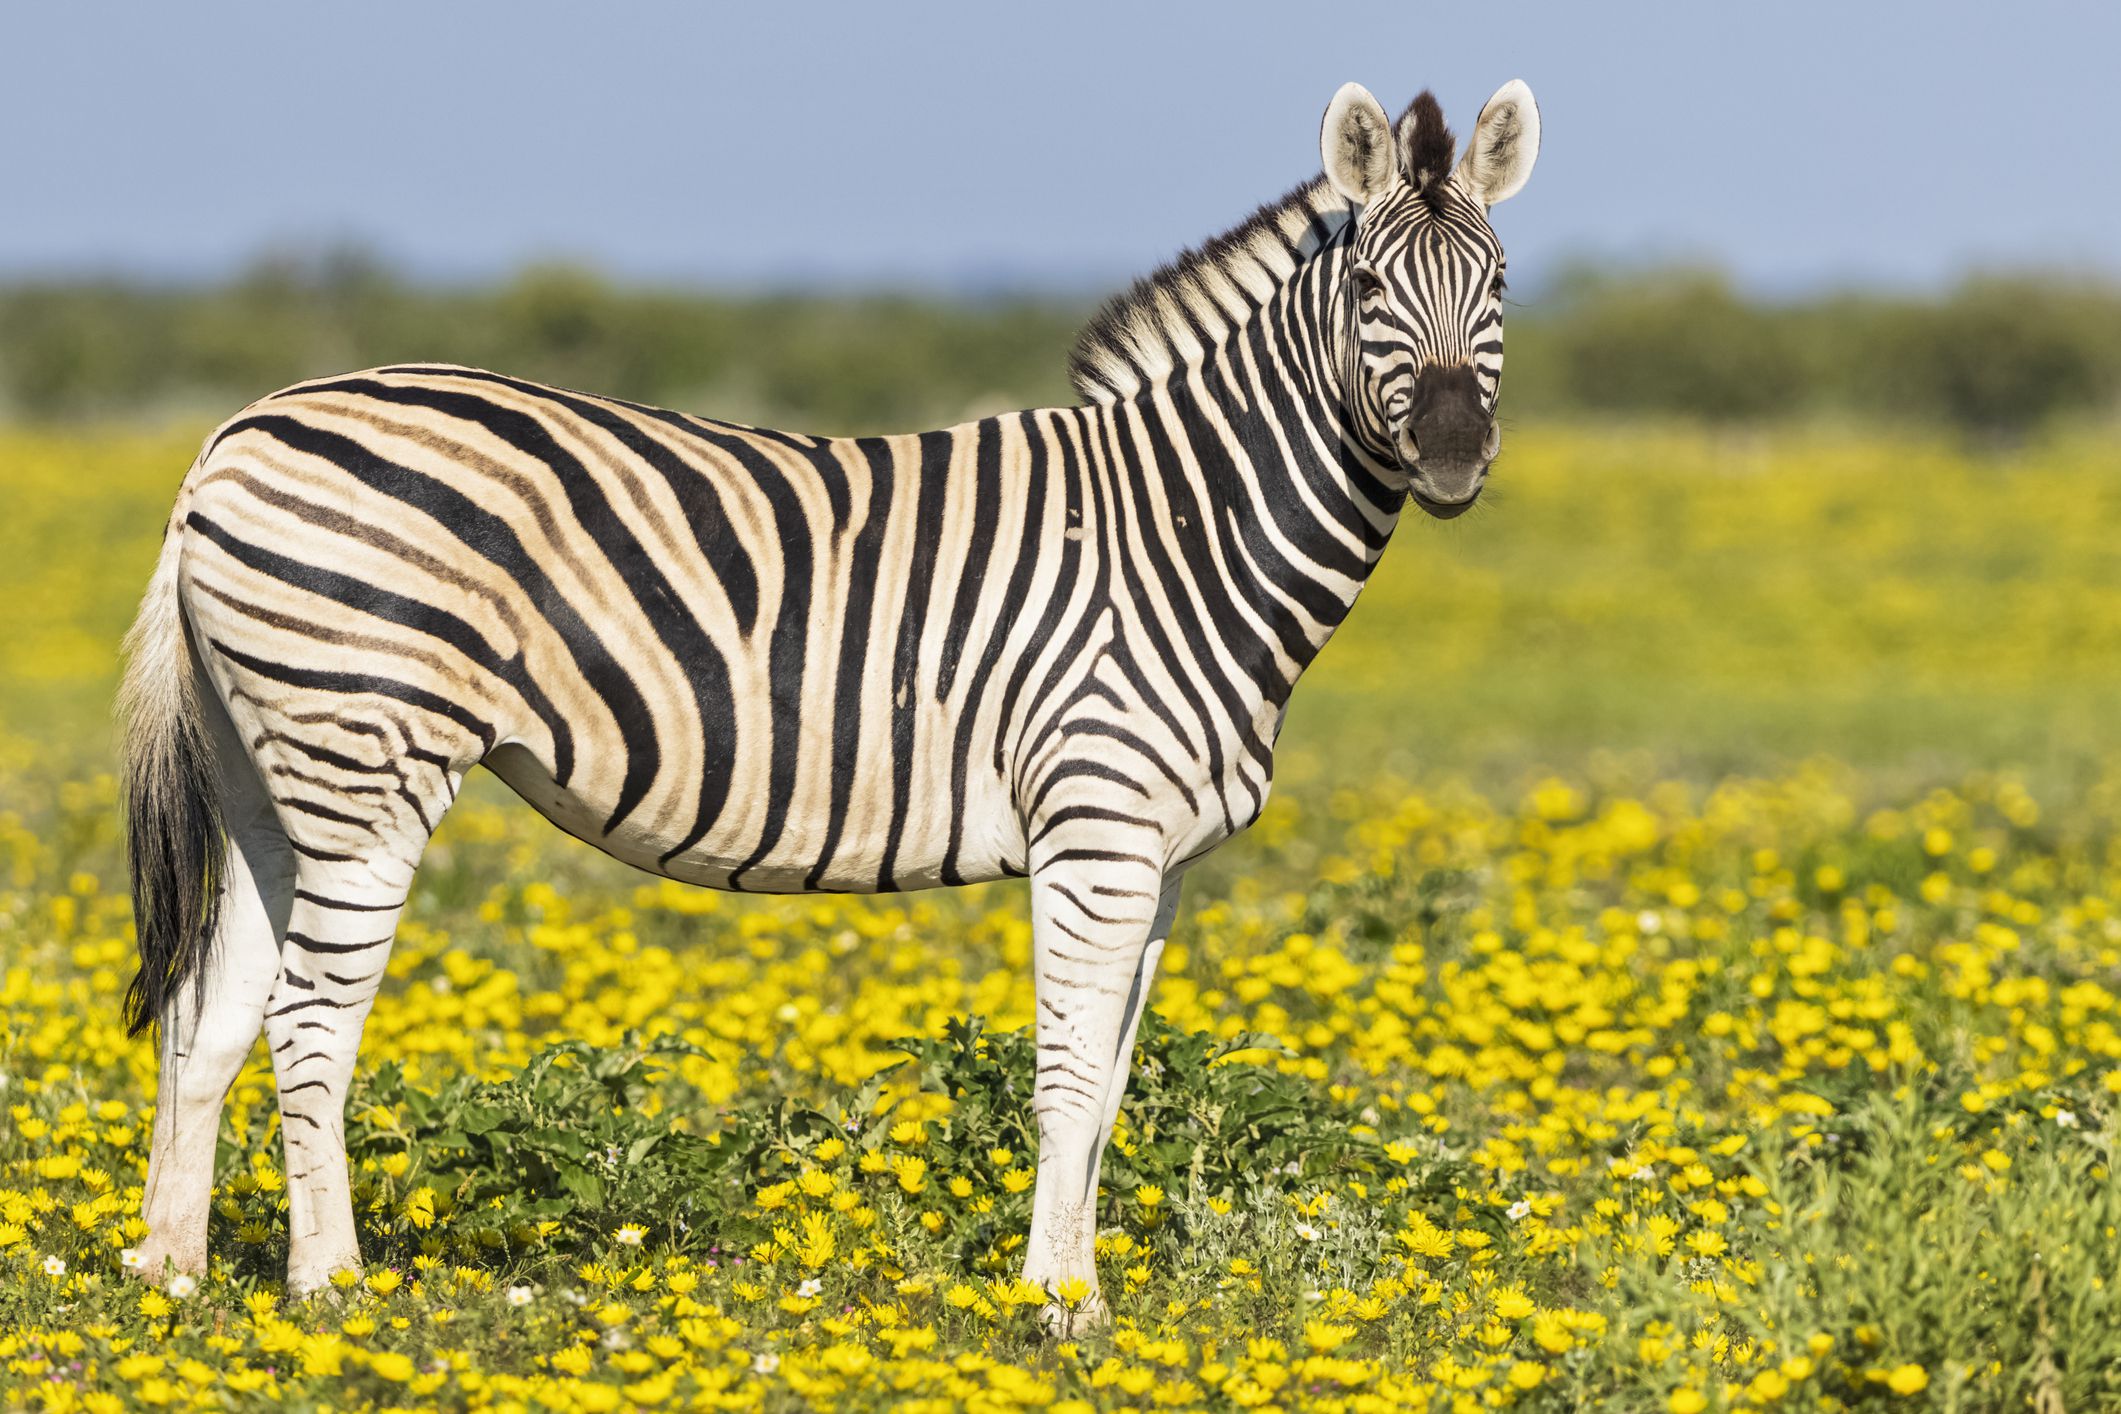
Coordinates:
<point>1798,145</point>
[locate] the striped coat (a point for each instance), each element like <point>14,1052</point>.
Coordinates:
<point>1055,643</point>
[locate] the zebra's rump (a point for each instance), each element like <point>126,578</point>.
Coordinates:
<point>745,658</point>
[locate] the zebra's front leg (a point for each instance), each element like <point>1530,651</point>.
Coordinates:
<point>1095,910</point>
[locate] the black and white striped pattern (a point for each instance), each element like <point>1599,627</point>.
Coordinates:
<point>1056,643</point>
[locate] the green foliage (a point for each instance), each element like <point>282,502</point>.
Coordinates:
<point>1995,357</point>
<point>858,364</point>
<point>566,1140</point>
<point>1204,1117</point>
<point>1882,1247</point>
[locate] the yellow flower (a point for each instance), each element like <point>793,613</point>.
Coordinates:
<point>391,1365</point>
<point>1687,1401</point>
<point>1907,1379</point>
<point>1324,1336</point>
<point>321,1354</point>
<point>386,1281</point>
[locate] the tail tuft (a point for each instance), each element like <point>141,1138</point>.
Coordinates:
<point>173,802</point>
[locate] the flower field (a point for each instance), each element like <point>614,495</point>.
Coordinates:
<point>1680,970</point>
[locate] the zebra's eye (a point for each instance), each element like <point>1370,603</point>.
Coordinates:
<point>1369,285</point>
<point>1496,288</point>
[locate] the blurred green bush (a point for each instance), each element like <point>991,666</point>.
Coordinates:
<point>1995,357</point>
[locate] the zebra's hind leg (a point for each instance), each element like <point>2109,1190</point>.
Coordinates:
<point>206,1035</point>
<point>338,943</point>
<point>1095,910</point>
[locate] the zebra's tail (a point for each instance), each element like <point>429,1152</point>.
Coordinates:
<point>172,797</point>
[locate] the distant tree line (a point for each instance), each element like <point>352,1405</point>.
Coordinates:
<point>1994,357</point>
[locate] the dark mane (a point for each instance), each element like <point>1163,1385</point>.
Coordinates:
<point>1173,317</point>
<point>1426,146</point>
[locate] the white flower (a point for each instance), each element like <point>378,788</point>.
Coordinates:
<point>1520,1210</point>
<point>54,1267</point>
<point>810,1288</point>
<point>181,1285</point>
<point>519,1295</point>
<point>765,1363</point>
<point>617,1339</point>
<point>1648,922</point>
<point>630,1236</point>
<point>131,1260</point>
<point>1307,1232</point>
<point>2066,1118</point>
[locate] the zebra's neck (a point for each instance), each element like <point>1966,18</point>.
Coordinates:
<point>1236,415</point>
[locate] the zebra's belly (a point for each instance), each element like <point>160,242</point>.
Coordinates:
<point>862,855</point>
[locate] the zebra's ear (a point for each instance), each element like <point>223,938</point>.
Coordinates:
<point>1356,143</point>
<point>1505,144</point>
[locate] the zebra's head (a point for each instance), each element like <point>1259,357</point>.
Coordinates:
<point>1422,301</point>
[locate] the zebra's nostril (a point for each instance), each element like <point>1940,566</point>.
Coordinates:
<point>1404,441</point>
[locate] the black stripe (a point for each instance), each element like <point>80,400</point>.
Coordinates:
<point>322,902</point>
<point>906,659</point>
<point>855,642</point>
<point>318,945</point>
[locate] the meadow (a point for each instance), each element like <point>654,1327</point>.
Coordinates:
<point>1677,971</point>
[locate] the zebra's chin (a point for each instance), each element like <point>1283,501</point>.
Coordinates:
<point>1446,510</point>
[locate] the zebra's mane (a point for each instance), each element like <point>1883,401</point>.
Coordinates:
<point>1175,317</point>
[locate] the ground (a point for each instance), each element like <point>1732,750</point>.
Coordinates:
<point>1678,971</point>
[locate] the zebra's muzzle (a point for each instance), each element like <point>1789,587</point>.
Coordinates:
<point>1446,441</point>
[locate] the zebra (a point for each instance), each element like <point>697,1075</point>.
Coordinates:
<point>1056,643</point>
